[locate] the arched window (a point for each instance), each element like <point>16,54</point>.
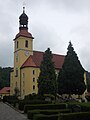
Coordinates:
<point>26,43</point>
<point>33,87</point>
<point>16,72</point>
<point>33,72</point>
<point>33,79</point>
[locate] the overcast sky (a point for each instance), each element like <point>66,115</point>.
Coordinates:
<point>53,24</point>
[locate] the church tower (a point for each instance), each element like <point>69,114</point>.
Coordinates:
<point>23,42</point>
<point>23,48</point>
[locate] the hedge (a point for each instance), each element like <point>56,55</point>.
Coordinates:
<point>75,116</point>
<point>45,117</point>
<point>9,98</point>
<point>31,113</point>
<point>44,107</point>
<point>22,103</point>
<point>84,106</point>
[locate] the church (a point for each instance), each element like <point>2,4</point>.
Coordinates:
<point>27,61</point>
<point>25,73</point>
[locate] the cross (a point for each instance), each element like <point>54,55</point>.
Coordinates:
<point>24,4</point>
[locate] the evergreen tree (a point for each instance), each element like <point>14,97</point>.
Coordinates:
<point>47,77</point>
<point>5,76</point>
<point>71,76</point>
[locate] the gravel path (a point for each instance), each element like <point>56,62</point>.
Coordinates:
<point>8,113</point>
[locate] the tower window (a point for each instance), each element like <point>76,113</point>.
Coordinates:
<point>17,44</point>
<point>33,72</point>
<point>26,43</point>
<point>33,87</point>
<point>23,83</point>
<point>16,72</point>
<point>33,79</point>
<point>23,75</point>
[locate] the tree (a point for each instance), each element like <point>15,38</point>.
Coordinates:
<point>5,76</point>
<point>88,81</point>
<point>47,77</point>
<point>71,77</point>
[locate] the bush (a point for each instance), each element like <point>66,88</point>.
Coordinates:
<point>22,103</point>
<point>45,117</point>
<point>84,106</point>
<point>75,116</point>
<point>34,97</point>
<point>9,98</point>
<point>46,112</point>
<point>44,106</point>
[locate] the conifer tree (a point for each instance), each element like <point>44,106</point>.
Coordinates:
<point>71,77</point>
<point>47,77</point>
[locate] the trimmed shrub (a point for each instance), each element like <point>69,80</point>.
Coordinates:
<point>22,103</point>
<point>8,98</point>
<point>84,106</point>
<point>34,97</point>
<point>75,116</point>
<point>44,107</point>
<point>45,117</point>
<point>46,112</point>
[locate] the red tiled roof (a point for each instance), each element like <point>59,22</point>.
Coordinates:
<point>24,33</point>
<point>5,90</point>
<point>35,60</point>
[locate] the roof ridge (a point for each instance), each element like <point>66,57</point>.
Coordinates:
<point>35,60</point>
<point>52,53</point>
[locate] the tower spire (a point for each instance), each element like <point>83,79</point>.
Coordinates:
<point>23,9</point>
<point>24,4</point>
<point>23,20</point>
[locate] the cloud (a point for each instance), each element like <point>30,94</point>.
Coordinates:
<point>52,23</point>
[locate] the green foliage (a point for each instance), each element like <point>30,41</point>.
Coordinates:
<point>34,97</point>
<point>10,99</point>
<point>75,116</point>
<point>71,76</point>
<point>45,117</point>
<point>44,107</point>
<point>4,77</point>
<point>88,81</point>
<point>22,103</point>
<point>47,77</point>
<point>47,112</point>
<point>84,106</point>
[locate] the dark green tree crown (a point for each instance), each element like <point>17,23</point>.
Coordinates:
<point>47,76</point>
<point>71,76</point>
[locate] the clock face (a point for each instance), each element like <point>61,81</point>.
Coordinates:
<point>27,53</point>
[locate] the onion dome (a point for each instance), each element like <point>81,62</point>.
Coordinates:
<point>23,27</point>
<point>23,20</point>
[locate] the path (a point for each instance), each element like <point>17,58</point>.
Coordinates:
<point>8,113</point>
